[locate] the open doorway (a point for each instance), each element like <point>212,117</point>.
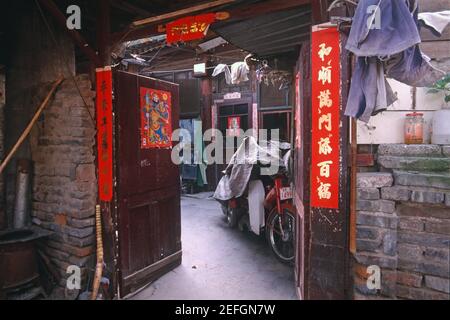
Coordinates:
<point>174,245</point>
<point>220,262</point>
<point>280,120</point>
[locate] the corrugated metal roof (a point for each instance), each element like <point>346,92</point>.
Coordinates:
<point>274,33</point>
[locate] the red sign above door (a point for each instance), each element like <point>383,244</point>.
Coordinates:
<point>325,157</point>
<point>189,28</point>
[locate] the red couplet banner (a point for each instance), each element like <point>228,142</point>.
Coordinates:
<point>325,157</point>
<point>104,133</point>
<point>189,28</point>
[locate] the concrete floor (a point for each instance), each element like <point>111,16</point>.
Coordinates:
<point>219,262</point>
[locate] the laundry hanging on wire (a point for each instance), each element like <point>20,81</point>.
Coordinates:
<point>239,72</point>
<point>385,38</point>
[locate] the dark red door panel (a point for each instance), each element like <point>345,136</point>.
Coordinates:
<point>147,189</point>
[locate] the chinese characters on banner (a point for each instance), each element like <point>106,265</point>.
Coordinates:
<point>156,119</point>
<point>189,28</point>
<point>325,158</point>
<point>104,133</point>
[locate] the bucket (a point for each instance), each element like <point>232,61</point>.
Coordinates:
<point>441,127</point>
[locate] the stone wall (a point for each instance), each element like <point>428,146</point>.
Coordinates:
<point>403,223</point>
<point>64,183</point>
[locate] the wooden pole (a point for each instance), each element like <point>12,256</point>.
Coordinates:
<point>178,13</point>
<point>30,125</point>
<point>354,150</point>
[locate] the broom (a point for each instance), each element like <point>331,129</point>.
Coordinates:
<point>99,267</point>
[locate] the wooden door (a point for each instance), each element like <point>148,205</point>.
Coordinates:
<point>147,190</point>
<point>302,162</point>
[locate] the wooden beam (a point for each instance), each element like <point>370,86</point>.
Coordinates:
<point>76,37</point>
<point>258,9</point>
<point>179,13</point>
<point>238,13</point>
<point>319,11</point>
<point>129,8</point>
<point>103,28</point>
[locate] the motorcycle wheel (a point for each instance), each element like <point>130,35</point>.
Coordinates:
<point>232,217</point>
<point>281,243</point>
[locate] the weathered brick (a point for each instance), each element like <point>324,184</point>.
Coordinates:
<point>438,226</point>
<point>427,197</point>
<point>73,250</point>
<point>367,245</point>
<point>420,294</point>
<point>81,214</point>
<point>368,193</point>
<point>374,180</point>
<point>409,279</point>
<point>367,233</point>
<point>81,223</point>
<point>60,219</point>
<point>446,150</point>
<point>410,252</point>
<point>422,179</point>
<point>73,241</point>
<point>409,150</point>
<point>395,193</point>
<point>388,283</point>
<point>386,206</point>
<point>390,243</point>
<point>362,288</point>
<point>410,293</point>
<point>79,233</point>
<point>435,295</point>
<point>376,219</point>
<point>414,163</point>
<point>437,254</point>
<point>418,210</point>
<point>424,239</point>
<point>382,261</point>
<point>430,268</point>
<point>439,284</point>
<point>58,254</point>
<point>412,224</point>
<point>83,261</point>
<point>85,172</point>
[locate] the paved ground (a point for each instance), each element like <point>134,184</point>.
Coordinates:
<point>221,263</point>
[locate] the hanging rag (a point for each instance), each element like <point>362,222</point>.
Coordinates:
<point>382,28</point>
<point>385,37</point>
<point>221,67</point>
<point>436,21</point>
<point>370,93</point>
<point>239,72</point>
<point>413,68</point>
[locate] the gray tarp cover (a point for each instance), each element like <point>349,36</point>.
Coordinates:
<point>238,171</point>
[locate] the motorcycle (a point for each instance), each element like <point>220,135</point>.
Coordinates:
<point>258,202</point>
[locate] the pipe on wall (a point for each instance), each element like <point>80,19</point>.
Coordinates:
<point>22,197</point>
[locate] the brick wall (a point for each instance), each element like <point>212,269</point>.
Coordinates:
<point>64,182</point>
<point>403,223</point>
